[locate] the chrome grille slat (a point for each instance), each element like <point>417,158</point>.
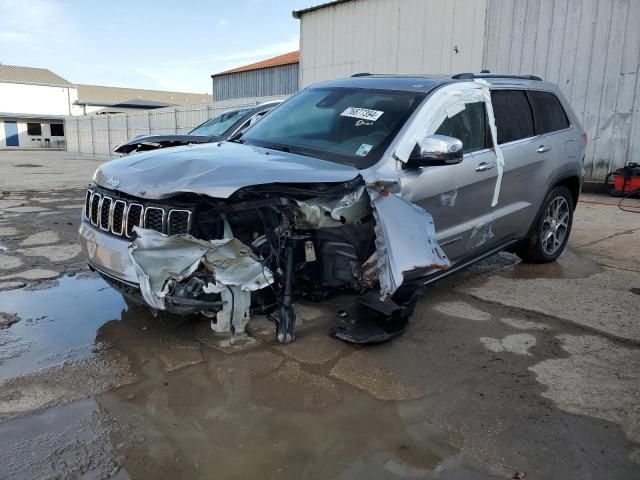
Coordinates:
<point>176,223</point>
<point>119,216</point>
<point>87,204</point>
<point>154,218</point>
<point>133,219</point>
<point>106,212</point>
<point>95,208</point>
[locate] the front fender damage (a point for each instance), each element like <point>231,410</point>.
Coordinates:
<point>287,241</point>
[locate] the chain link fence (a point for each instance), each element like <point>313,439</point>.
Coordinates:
<point>98,135</point>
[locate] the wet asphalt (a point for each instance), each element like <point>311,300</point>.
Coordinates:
<point>506,371</point>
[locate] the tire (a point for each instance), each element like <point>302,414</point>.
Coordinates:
<point>550,231</point>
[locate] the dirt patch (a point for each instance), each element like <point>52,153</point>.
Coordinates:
<point>7,319</point>
<point>599,379</point>
<point>64,383</point>
<point>359,370</point>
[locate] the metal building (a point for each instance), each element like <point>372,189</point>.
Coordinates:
<point>274,76</point>
<point>590,48</point>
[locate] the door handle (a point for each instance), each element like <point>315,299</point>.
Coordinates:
<point>483,167</point>
<point>543,148</point>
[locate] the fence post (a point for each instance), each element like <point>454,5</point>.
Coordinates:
<point>78,135</point>
<point>93,149</point>
<point>109,133</point>
<point>175,120</point>
<point>149,122</point>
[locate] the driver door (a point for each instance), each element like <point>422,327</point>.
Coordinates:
<point>459,196</point>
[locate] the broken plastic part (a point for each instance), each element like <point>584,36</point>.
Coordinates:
<point>334,212</point>
<point>371,320</point>
<point>230,267</point>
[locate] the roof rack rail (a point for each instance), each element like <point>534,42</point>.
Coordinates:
<point>470,76</point>
<point>361,74</point>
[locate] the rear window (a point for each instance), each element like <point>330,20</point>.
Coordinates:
<point>514,120</point>
<point>548,114</point>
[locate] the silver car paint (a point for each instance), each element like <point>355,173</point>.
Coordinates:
<point>216,170</point>
<point>458,197</point>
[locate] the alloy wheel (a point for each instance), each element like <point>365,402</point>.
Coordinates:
<point>555,225</point>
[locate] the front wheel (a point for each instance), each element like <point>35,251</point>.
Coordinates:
<point>550,232</point>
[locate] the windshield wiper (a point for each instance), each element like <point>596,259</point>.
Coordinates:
<point>237,138</point>
<point>281,148</point>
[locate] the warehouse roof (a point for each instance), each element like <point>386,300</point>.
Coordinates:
<point>99,95</point>
<point>299,13</point>
<point>285,59</point>
<point>32,76</point>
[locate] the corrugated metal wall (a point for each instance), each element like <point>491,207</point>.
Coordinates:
<point>591,49</point>
<point>99,134</point>
<point>280,80</point>
<point>391,36</point>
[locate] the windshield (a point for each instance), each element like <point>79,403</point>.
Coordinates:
<point>352,126</point>
<point>218,125</point>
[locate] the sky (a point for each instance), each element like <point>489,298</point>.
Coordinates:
<point>155,44</point>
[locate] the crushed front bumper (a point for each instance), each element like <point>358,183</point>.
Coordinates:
<point>107,254</point>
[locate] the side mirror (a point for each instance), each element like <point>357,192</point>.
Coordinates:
<point>436,150</point>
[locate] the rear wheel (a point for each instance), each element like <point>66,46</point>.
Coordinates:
<point>550,232</point>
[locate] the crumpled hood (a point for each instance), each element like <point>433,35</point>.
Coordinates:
<point>160,141</point>
<point>216,170</point>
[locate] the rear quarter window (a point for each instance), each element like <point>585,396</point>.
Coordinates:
<point>512,112</point>
<point>548,114</point>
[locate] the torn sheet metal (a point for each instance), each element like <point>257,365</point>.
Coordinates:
<point>326,213</point>
<point>405,243</point>
<point>446,102</point>
<point>159,258</point>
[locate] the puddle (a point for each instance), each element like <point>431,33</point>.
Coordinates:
<point>56,323</point>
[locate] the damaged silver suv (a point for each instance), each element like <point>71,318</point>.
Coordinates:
<point>374,184</point>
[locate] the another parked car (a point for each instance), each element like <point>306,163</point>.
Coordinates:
<point>220,127</point>
<point>374,184</point>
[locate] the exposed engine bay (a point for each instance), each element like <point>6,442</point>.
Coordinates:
<point>265,245</point>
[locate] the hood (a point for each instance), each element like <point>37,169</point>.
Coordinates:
<point>150,142</point>
<point>214,169</point>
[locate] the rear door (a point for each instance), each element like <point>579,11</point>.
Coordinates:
<point>525,154</point>
<point>459,196</point>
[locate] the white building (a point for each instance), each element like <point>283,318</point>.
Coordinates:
<point>35,101</point>
<point>33,104</point>
<point>591,49</point>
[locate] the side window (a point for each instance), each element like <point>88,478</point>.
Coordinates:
<point>470,126</point>
<point>34,129</point>
<point>258,116</point>
<point>513,115</point>
<point>548,114</point>
<point>57,130</point>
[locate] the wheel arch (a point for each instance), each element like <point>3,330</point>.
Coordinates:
<point>572,182</point>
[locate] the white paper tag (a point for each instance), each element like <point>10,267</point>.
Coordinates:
<point>362,113</point>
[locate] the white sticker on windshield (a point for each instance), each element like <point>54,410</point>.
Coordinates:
<point>364,149</point>
<point>362,113</point>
